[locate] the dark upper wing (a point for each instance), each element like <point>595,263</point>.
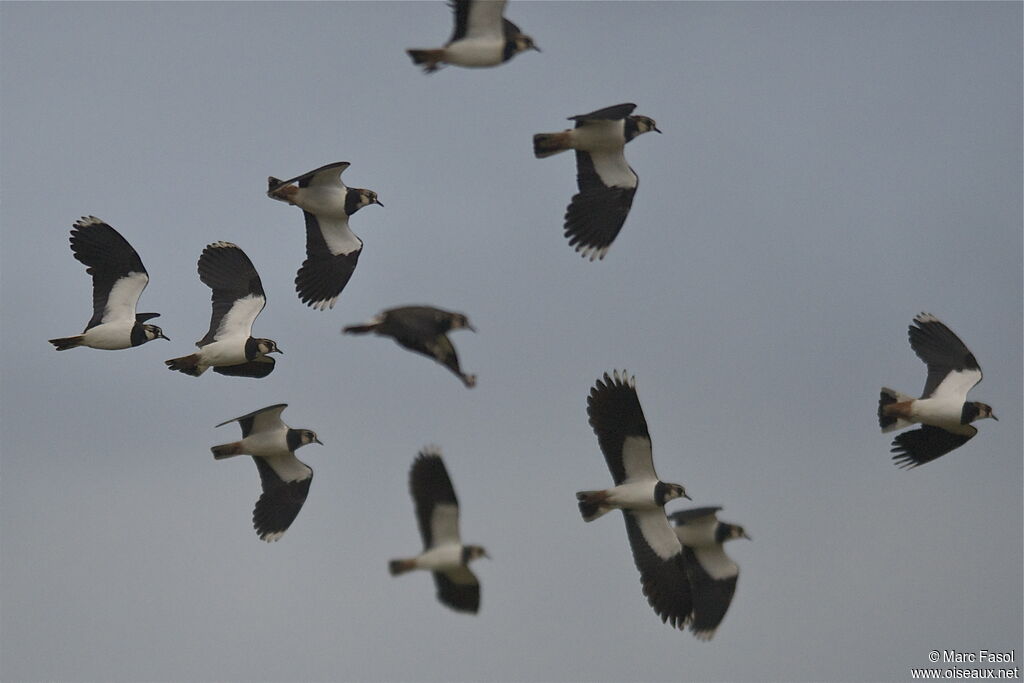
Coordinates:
<point>118,276</point>
<point>264,419</point>
<point>919,446</point>
<point>258,367</point>
<point>329,174</point>
<point>477,18</point>
<point>596,214</point>
<point>237,295</point>
<point>459,589</point>
<point>944,353</point>
<point>612,113</point>
<point>615,414</point>
<point>332,252</point>
<point>437,508</point>
<point>684,516</point>
<point>711,596</point>
<point>285,481</point>
<point>658,557</point>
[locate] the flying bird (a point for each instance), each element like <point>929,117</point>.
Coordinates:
<point>229,347</point>
<point>482,37</point>
<point>423,329</point>
<point>943,409</point>
<point>285,478</point>
<point>444,555</point>
<point>606,182</point>
<point>712,574</point>
<point>332,250</point>
<point>618,420</point>
<point>118,278</point>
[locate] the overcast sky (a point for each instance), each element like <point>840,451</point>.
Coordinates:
<point>826,172</point>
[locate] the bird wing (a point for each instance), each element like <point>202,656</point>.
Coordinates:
<point>693,514</point>
<point>952,368</point>
<point>614,112</point>
<point>325,175</point>
<point>658,557</point>
<point>918,446</point>
<point>596,214</point>
<point>459,589</point>
<point>437,508</point>
<point>332,252</point>
<point>261,366</point>
<point>477,19</point>
<point>618,421</point>
<point>712,575</point>
<point>118,276</point>
<point>285,481</point>
<point>237,295</point>
<point>262,420</point>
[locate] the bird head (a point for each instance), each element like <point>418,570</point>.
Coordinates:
<point>153,332</point>
<point>308,436</point>
<point>265,346</point>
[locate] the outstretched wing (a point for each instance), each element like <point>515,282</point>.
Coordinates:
<point>118,276</point>
<point>618,421</point>
<point>237,295</point>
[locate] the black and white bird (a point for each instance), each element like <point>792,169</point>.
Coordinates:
<point>618,421</point>
<point>332,250</point>
<point>229,347</point>
<point>444,555</point>
<point>482,37</point>
<point>712,573</point>
<point>285,478</point>
<point>423,329</point>
<point>606,182</point>
<point>118,278</point>
<point>943,409</point>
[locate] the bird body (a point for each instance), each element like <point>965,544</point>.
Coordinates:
<point>943,409</point>
<point>285,478</point>
<point>606,182</point>
<point>444,554</point>
<point>618,421</point>
<point>711,573</point>
<point>332,249</point>
<point>422,329</point>
<point>237,298</point>
<point>118,278</point>
<point>482,37</point>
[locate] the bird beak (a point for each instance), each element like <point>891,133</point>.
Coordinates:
<point>473,329</point>
<point>278,351</point>
<point>746,536</point>
<point>317,440</point>
<point>656,129</point>
<point>378,202</point>
<point>536,48</point>
<point>993,416</point>
<point>164,337</point>
<point>686,496</point>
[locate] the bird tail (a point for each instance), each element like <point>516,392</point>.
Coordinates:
<point>65,343</point>
<point>428,59</point>
<point>888,420</point>
<point>592,504</point>
<point>397,567</point>
<point>546,144</point>
<point>187,364</point>
<point>226,450</point>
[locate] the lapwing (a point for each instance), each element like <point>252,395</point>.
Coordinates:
<point>118,278</point>
<point>285,478</point>
<point>618,420</point>
<point>444,555</point>
<point>712,573</point>
<point>943,409</point>
<point>482,37</point>
<point>229,347</point>
<point>332,250</point>
<point>606,182</point>
<point>423,329</point>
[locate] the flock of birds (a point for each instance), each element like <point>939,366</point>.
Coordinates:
<point>686,576</point>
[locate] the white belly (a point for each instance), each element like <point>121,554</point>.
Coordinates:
<point>265,444</point>
<point>440,558</point>
<point>223,352</point>
<point>475,52</point>
<point>636,495</point>
<point>325,201</point>
<point>939,413</point>
<point>110,336</point>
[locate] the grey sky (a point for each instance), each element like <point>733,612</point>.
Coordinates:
<point>826,172</point>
